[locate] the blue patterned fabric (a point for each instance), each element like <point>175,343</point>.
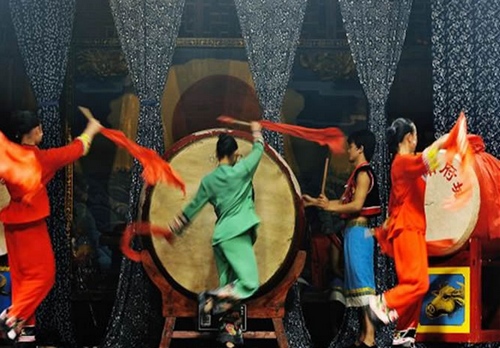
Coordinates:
<point>271,31</point>
<point>359,277</point>
<point>147,30</point>
<point>376,31</point>
<point>43,30</point>
<point>466,67</point>
<point>466,72</point>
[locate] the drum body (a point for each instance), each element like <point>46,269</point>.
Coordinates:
<point>189,263</point>
<point>444,224</point>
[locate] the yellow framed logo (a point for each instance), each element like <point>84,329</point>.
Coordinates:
<point>446,306</point>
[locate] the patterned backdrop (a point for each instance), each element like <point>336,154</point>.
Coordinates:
<point>271,30</point>
<point>43,30</point>
<point>466,66</point>
<point>376,31</point>
<point>466,71</point>
<point>148,31</point>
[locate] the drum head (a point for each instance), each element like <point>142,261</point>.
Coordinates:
<point>442,223</point>
<point>189,262</point>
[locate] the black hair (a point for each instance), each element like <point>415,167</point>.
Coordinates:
<point>364,138</point>
<point>397,131</point>
<point>226,145</point>
<point>19,123</point>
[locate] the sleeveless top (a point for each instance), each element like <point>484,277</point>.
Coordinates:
<point>371,207</point>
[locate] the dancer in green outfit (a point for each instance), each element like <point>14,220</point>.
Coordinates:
<point>229,189</point>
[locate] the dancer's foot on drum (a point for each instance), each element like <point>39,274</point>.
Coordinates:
<point>224,299</point>
<point>205,303</point>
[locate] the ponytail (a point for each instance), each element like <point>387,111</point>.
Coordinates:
<point>396,133</point>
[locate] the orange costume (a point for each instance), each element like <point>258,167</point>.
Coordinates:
<point>403,238</point>
<point>30,254</point>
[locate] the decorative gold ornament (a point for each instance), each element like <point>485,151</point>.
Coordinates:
<point>330,65</point>
<point>101,63</point>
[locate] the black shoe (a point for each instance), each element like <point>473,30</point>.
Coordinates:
<point>205,303</point>
<point>230,329</point>
<point>364,345</point>
<point>11,328</point>
<point>26,338</point>
<point>24,345</point>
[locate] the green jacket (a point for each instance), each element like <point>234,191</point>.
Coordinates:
<point>229,189</point>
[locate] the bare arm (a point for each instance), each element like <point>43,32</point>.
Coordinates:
<point>362,188</point>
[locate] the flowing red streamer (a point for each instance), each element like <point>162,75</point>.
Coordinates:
<point>487,169</point>
<point>141,228</point>
<point>19,167</point>
<point>155,169</point>
<point>332,137</point>
<point>457,144</point>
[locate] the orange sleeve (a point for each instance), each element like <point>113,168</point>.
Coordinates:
<point>410,166</point>
<point>54,159</point>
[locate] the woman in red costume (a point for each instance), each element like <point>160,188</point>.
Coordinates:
<point>403,234</point>
<point>30,255</point>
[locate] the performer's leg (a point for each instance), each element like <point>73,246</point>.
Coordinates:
<point>241,278</point>
<point>207,300</point>
<point>410,258</point>
<point>226,274</point>
<point>32,261</point>
<point>360,276</point>
<point>241,257</point>
<point>406,328</point>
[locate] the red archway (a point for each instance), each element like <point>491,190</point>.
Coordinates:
<point>210,97</point>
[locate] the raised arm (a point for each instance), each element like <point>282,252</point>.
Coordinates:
<point>250,163</point>
<point>56,158</point>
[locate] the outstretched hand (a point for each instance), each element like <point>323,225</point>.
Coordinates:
<point>93,127</point>
<point>309,201</point>
<point>255,126</point>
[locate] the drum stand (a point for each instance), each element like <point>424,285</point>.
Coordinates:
<point>270,305</point>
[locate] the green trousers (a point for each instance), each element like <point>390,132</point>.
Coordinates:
<point>236,263</point>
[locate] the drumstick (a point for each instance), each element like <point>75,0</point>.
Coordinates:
<point>86,112</point>
<point>227,119</point>
<point>325,172</point>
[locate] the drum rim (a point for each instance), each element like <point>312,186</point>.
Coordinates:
<point>298,233</point>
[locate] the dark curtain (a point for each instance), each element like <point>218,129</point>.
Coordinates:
<point>43,29</point>
<point>147,30</point>
<point>466,72</point>
<point>376,32</point>
<point>466,67</point>
<point>271,31</point>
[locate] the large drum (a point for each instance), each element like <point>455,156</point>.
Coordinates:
<point>455,226</point>
<point>189,263</point>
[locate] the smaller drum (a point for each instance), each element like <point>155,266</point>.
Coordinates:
<point>443,224</point>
